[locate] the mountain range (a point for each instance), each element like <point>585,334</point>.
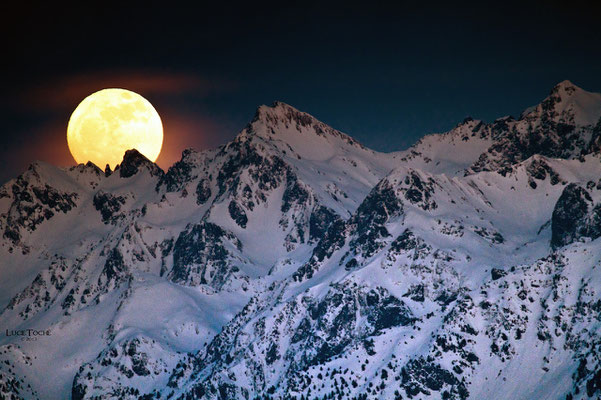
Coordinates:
<point>295,263</point>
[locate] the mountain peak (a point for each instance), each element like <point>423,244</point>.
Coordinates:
<point>283,122</point>
<point>566,84</point>
<point>566,89</point>
<point>133,160</point>
<point>280,111</point>
<point>281,105</point>
<point>568,103</point>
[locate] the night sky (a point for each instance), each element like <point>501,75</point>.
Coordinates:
<point>386,76</point>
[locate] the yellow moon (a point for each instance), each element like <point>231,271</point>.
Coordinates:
<point>109,122</point>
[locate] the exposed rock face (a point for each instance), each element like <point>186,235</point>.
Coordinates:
<point>180,173</point>
<point>108,205</point>
<point>423,377</point>
<point>595,144</point>
<point>33,202</point>
<point>201,256</point>
<point>238,214</point>
<point>560,127</point>
<point>575,217</point>
<point>333,239</point>
<point>368,223</point>
<point>539,170</point>
<point>133,161</point>
<point>203,191</point>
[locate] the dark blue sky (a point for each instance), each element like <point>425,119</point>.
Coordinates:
<point>386,76</point>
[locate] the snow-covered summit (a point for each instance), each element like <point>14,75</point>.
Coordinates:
<point>336,166</point>
<point>282,121</point>
<point>564,125</point>
<point>570,104</point>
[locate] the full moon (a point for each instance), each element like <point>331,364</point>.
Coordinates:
<point>109,122</point>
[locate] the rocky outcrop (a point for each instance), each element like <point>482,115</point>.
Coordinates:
<point>33,202</point>
<point>109,206</point>
<point>561,126</point>
<point>574,217</point>
<point>203,255</point>
<point>134,161</point>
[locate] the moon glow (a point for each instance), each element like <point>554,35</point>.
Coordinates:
<point>109,122</point>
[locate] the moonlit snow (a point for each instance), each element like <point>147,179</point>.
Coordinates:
<point>293,262</point>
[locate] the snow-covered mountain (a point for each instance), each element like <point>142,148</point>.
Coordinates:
<point>564,125</point>
<point>293,262</point>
